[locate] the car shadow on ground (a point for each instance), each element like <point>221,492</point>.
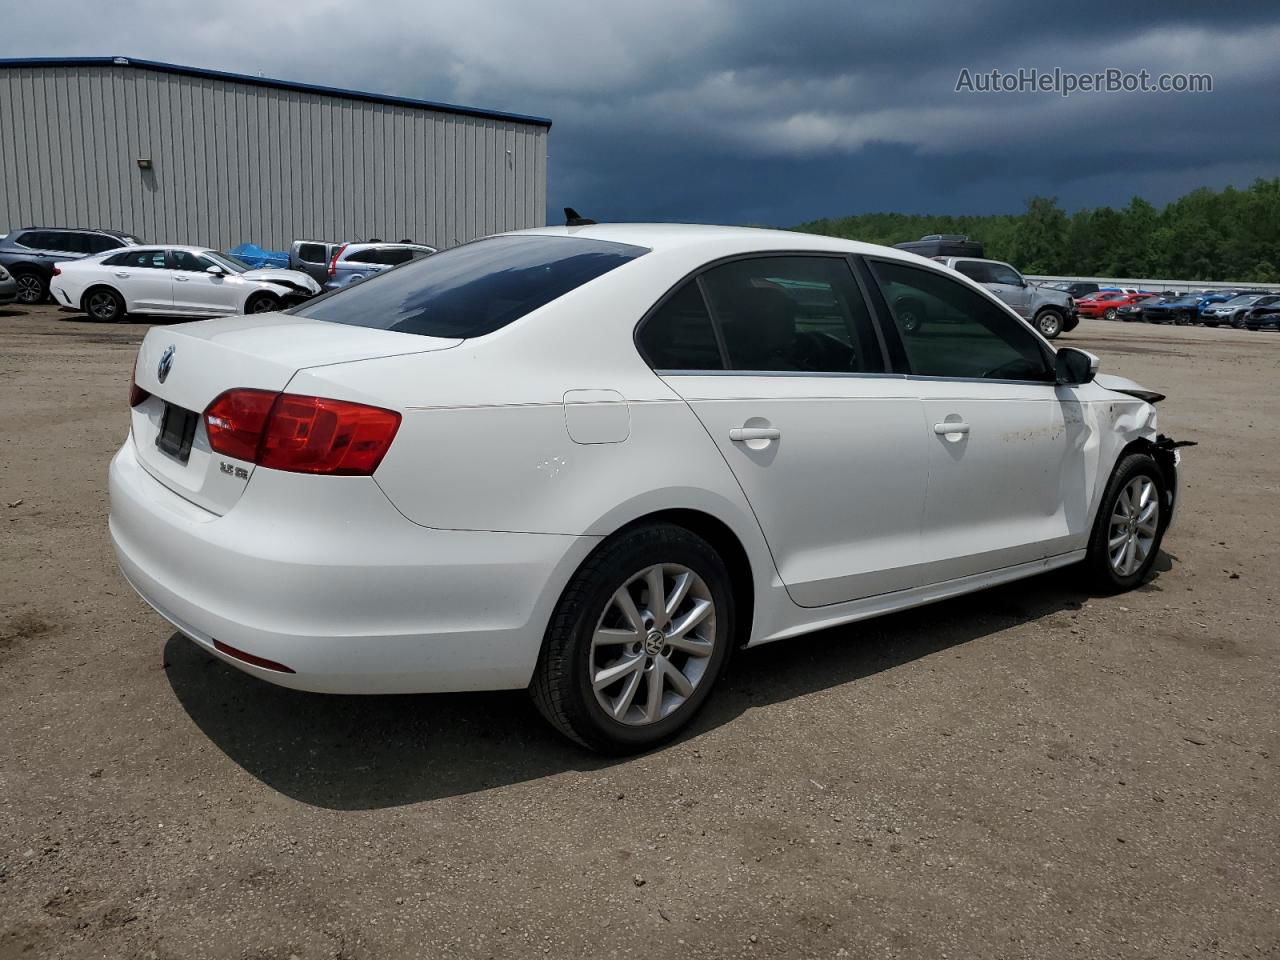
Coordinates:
<point>359,753</point>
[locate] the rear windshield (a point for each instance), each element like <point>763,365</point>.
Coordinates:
<point>473,289</point>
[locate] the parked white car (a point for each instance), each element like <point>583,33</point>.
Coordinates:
<point>174,281</point>
<point>591,461</point>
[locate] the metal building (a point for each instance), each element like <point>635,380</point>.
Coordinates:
<point>183,155</point>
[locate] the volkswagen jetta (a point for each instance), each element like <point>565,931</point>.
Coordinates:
<point>591,461</point>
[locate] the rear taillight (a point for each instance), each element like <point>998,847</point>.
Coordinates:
<point>333,263</point>
<point>300,434</point>
<point>136,393</point>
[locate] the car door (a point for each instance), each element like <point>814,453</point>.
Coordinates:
<point>196,290</point>
<point>143,279</point>
<point>1008,284</point>
<point>779,359</point>
<point>1012,455</point>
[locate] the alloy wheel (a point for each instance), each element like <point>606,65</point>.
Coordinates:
<point>30,289</point>
<point>653,644</point>
<point>102,306</point>
<point>1135,521</point>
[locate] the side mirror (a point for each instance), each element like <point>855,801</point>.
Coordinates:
<point>214,269</point>
<point>1073,367</point>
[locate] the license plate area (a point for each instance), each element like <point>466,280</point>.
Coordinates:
<point>177,430</point>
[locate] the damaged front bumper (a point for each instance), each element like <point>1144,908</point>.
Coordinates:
<point>1166,453</point>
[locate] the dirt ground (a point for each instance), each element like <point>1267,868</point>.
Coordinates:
<point>1027,772</point>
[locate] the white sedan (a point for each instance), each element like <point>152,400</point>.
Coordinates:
<point>591,461</point>
<point>174,281</point>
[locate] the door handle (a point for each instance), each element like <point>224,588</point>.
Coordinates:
<point>123,276</point>
<point>955,426</point>
<point>741,434</point>
<point>182,279</point>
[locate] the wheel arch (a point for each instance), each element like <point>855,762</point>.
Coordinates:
<point>726,543</point>
<point>100,285</point>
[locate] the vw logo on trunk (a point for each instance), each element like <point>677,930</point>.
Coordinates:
<point>166,362</point>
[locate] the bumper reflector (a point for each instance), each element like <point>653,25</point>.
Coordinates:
<point>250,659</point>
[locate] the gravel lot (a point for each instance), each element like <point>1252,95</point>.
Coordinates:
<point>1027,772</point>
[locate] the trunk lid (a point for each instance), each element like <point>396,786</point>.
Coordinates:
<point>207,357</point>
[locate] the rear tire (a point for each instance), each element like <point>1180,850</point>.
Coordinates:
<point>261,303</point>
<point>1049,323</point>
<point>1129,527</point>
<point>1109,314</point>
<point>103,305</point>
<point>596,633</point>
<point>31,288</point>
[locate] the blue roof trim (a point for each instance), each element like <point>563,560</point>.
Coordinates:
<point>271,82</point>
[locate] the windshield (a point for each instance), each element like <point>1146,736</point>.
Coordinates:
<point>473,289</point>
<point>1247,298</point>
<point>226,261</point>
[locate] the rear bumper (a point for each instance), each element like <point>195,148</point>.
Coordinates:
<point>325,576</point>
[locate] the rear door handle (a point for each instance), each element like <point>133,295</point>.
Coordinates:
<point>182,279</point>
<point>123,276</point>
<point>955,426</point>
<point>741,434</point>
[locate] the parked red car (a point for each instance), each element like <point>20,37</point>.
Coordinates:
<point>1104,303</point>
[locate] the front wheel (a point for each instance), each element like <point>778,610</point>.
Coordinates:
<point>1129,526</point>
<point>637,641</point>
<point>1110,313</point>
<point>261,303</point>
<point>1049,323</point>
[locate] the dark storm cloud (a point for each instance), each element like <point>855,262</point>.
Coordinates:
<point>768,112</point>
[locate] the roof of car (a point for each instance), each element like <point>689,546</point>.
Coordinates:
<point>667,236</point>
<point>106,230</point>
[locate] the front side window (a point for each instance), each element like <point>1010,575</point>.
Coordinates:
<point>679,335</point>
<point>473,289</point>
<point>312,253</point>
<point>186,260</point>
<point>101,243</point>
<point>1003,273</point>
<point>793,313</point>
<point>950,330</point>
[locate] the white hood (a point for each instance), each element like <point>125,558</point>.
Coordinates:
<point>293,278</point>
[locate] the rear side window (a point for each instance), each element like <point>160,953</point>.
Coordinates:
<point>975,271</point>
<point>800,313</point>
<point>679,334</point>
<point>365,256</point>
<point>36,240</point>
<point>473,289</point>
<point>138,259</point>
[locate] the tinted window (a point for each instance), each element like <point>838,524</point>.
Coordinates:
<point>974,270</point>
<point>793,313</point>
<point>69,241</point>
<point>679,334</point>
<point>365,256</point>
<point>186,260</point>
<point>101,243</point>
<point>313,253</point>
<point>36,240</point>
<point>1003,273</point>
<point>473,289</point>
<point>150,259</point>
<point>949,330</point>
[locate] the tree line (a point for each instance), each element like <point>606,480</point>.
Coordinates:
<point>1225,235</point>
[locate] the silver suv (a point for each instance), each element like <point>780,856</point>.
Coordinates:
<point>356,261</point>
<point>1051,311</point>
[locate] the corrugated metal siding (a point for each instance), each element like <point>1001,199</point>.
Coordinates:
<point>233,162</point>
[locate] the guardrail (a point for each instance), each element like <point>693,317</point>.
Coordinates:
<point>1158,286</point>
